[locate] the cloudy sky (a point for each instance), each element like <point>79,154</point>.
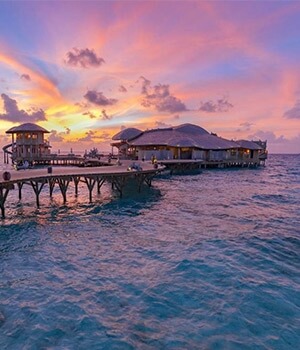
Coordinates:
<point>86,69</point>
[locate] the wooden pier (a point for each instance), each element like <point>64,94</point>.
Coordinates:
<point>117,175</point>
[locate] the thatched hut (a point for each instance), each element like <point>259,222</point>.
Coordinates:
<point>186,141</point>
<point>28,142</point>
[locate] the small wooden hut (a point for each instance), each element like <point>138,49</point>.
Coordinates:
<point>28,142</point>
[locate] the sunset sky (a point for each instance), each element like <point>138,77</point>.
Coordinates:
<point>86,69</point>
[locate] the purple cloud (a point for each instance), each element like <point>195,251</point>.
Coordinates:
<point>105,116</point>
<point>91,115</point>
<point>56,136</point>
<point>99,99</point>
<point>246,126</point>
<point>14,114</point>
<point>267,135</point>
<point>222,105</point>
<point>89,136</point>
<point>104,136</point>
<point>293,113</point>
<point>122,88</point>
<point>160,98</point>
<point>162,125</point>
<point>81,104</point>
<point>84,58</point>
<point>25,77</point>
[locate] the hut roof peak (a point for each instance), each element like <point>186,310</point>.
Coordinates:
<point>192,129</point>
<point>127,134</point>
<point>27,127</point>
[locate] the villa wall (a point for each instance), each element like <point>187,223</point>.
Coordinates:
<point>29,146</point>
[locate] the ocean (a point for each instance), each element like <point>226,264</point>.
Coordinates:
<point>197,261</point>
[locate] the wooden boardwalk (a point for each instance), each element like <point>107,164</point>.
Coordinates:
<point>184,165</point>
<point>117,175</point>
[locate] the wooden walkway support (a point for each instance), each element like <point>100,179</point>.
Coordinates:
<point>3,195</point>
<point>38,178</point>
<point>37,188</point>
<point>90,183</point>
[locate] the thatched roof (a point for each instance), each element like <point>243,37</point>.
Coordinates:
<point>190,129</point>
<point>27,127</point>
<point>249,145</point>
<point>186,135</point>
<point>127,134</point>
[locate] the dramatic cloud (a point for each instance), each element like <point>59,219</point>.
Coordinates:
<point>245,127</point>
<point>104,136</point>
<point>160,98</point>
<point>293,113</point>
<point>122,88</point>
<point>222,105</point>
<point>84,58</point>
<point>267,135</point>
<point>90,114</point>
<point>56,136</point>
<point>89,136</point>
<point>81,104</point>
<point>105,116</point>
<point>146,84</point>
<point>161,125</point>
<point>25,77</point>
<point>99,99</point>
<point>13,114</point>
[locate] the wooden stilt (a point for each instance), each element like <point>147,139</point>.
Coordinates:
<point>144,178</point>
<point>76,182</point>
<point>90,182</point>
<point>100,182</point>
<point>63,185</point>
<point>3,196</point>
<point>119,183</point>
<point>51,186</point>
<point>148,180</point>
<point>20,185</point>
<point>37,187</point>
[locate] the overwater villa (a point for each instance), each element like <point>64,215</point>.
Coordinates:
<point>187,142</point>
<point>28,143</point>
<point>29,146</point>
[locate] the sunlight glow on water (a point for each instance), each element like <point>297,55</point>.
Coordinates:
<point>208,261</point>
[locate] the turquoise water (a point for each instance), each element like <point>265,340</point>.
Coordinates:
<point>207,261</point>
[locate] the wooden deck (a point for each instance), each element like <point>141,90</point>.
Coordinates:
<point>117,175</point>
<point>183,165</point>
